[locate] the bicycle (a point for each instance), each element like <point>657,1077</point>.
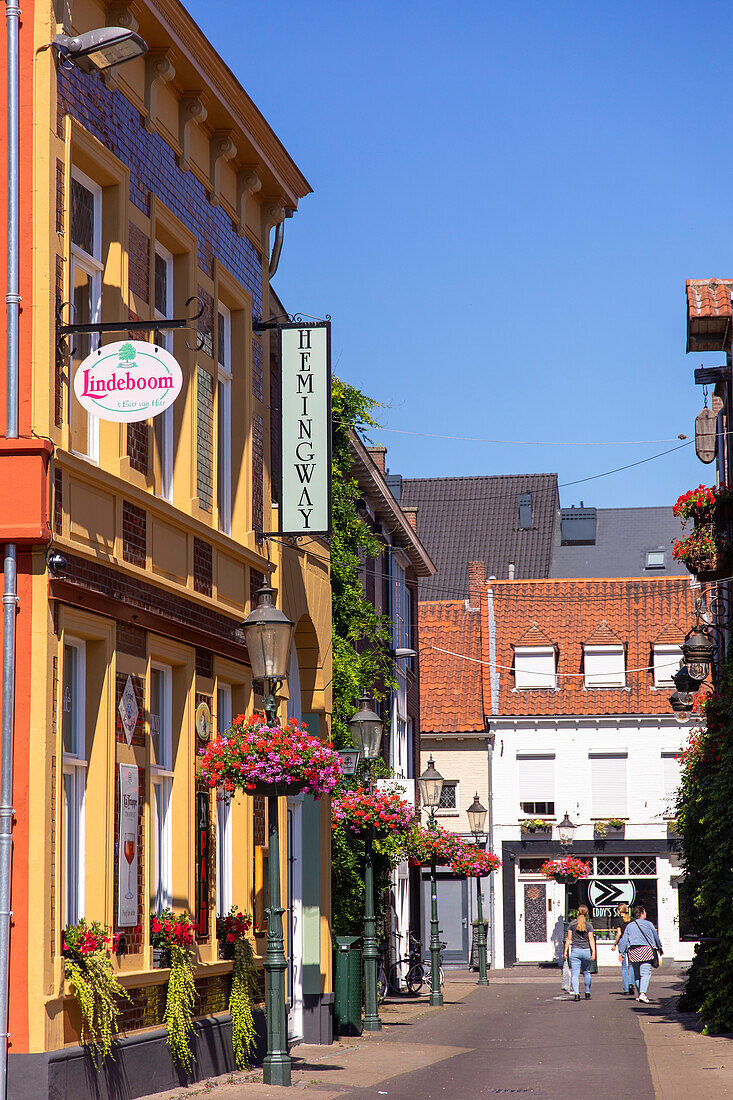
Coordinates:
<point>382,973</point>
<point>409,972</point>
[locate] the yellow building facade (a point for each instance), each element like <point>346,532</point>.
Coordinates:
<point>150,192</point>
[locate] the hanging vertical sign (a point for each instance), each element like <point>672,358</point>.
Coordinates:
<point>202,864</point>
<point>127,896</point>
<point>305,381</point>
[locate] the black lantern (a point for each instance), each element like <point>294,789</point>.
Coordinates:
<point>684,681</point>
<point>681,703</point>
<point>698,652</point>
<point>268,634</point>
<point>431,786</point>
<point>476,817</point>
<point>566,831</point>
<point>366,729</point>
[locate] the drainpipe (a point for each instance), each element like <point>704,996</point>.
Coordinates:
<point>277,244</point>
<point>494,701</point>
<point>10,597</point>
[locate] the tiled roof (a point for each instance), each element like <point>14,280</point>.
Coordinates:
<point>462,519</point>
<point>670,634</point>
<point>533,637</point>
<point>709,313</point>
<point>636,610</point>
<point>450,687</point>
<point>603,635</point>
<point>624,536</point>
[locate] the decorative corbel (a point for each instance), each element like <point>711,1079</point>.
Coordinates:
<point>158,71</point>
<point>221,149</point>
<point>191,112</point>
<point>272,214</point>
<point>118,14</point>
<point>248,182</point>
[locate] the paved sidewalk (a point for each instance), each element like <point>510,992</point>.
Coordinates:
<point>520,1035</point>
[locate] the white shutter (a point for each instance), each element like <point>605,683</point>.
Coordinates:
<point>536,778</point>
<point>670,775</point>
<point>604,666</point>
<point>608,784</point>
<point>666,663</point>
<point>534,668</point>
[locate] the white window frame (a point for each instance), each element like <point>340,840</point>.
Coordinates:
<point>224,422</point>
<point>620,804</point>
<point>535,677</point>
<point>166,342</point>
<point>537,769</point>
<point>604,666</point>
<point>92,266</point>
<point>224,863</point>
<point>655,553</point>
<point>73,794</point>
<point>162,791</point>
<point>666,658</point>
<point>669,796</point>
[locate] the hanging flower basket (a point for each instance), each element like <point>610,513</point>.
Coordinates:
<point>231,930</point>
<point>425,846</point>
<point>270,760</point>
<point>382,811</point>
<point>706,550</point>
<point>474,862</point>
<point>565,870</point>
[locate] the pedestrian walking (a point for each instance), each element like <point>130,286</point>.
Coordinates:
<point>641,944</point>
<point>623,918</point>
<point>580,947</point>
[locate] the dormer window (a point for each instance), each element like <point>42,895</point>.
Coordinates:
<point>534,667</point>
<point>666,662</point>
<point>604,665</point>
<point>655,559</point>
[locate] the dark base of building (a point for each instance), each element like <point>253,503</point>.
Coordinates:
<point>143,1062</point>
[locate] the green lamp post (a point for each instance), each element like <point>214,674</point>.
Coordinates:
<point>269,634</point>
<point>366,734</point>
<point>476,817</point>
<point>566,833</point>
<point>431,785</point>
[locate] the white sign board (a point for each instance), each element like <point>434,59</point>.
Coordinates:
<point>127,381</point>
<point>603,894</point>
<point>305,488</point>
<point>129,710</point>
<point>127,897</point>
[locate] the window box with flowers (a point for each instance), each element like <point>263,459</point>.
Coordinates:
<point>234,943</point>
<point>610,828</point>
<point>172,935</point>
<point>473,862</point>
<point>536,828</point>
<point>706,551</point>
<point>424,846</point>
<point>382,812</point>
<point>88,970</point>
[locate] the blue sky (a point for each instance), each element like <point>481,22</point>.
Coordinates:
<point>507,201</point>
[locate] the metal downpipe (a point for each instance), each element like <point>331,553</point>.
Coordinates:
<point>10,596</point>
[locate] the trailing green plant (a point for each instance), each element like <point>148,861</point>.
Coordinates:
<point>705,810</point>
<point>600,828</point>
<point>243,995</point>
<point>88,969</point>
<point>178,1016</point>
<point>531,824</point>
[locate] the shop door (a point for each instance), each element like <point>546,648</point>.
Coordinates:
<point>452,896</point>
<point>539,920</point>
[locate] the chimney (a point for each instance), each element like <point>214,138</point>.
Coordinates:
<point>476,584</point>
<point>409,511</point>
<point>379,457</point>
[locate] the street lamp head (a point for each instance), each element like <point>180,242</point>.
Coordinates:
<point>404,651</point>
<point>431,785</point>
<point>566,831</point>
<point>366,729</point>
<point>681,703</point>
<point>100,48</point>
<point>684,681</point>
<point>698,652</point>
<point>476,817</point>
<point>268,634</point>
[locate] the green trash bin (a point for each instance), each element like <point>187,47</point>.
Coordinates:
<point>347,985</point>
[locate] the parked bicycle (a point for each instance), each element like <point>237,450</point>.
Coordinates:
<point>381,972</point>
<point>409,973</point>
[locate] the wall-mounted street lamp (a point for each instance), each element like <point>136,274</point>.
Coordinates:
<point>100,49</point>
<point>269,634</point>
<point>566,833</point>
<point>698,652</point>
<point>476,814</point>
<point>431,786</point>
<point>366,734</point>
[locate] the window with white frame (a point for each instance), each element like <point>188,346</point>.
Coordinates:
<point>666,662</point>
<point>670,777</point>
<point>73,727</point>
<point>654,559</point>
<point>86,296</point>
<point>224,420</point>
<point>536,776</point>
<point>608,784</point>
<point>604,665</point>
<point>534,667</point>
<point>161,768</point>
<point>163,424</point>
<point>223,813</point>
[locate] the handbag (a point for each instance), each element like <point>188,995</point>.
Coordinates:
<point>654,960</point>
<point>567,976</point>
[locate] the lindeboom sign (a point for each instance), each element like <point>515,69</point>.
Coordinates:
<point>305,497</point>
<point>128,381</point>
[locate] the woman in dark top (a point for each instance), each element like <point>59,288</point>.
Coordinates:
<point>580,947</point>
<point>619,924</point>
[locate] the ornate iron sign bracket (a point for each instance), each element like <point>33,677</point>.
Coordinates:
<point>98,328</point>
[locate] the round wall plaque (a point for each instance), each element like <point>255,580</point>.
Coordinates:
<point>203,721</point>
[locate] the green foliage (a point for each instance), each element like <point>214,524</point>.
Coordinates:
<point>98,994</point>
<point>244,991</point>
<point>348,859</point>
<point>178,1016</point>
<point>705,809</point>
<point>361,637</point>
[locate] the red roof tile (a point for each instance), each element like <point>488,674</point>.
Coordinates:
<point>603,635</point>
<point>709,298</point>
<point>450,686</point>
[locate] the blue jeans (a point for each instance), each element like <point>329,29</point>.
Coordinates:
<point>627,975</point>
<point>642,974</point>
<point>580,960</point>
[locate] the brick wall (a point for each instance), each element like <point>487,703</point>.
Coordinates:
<point>257,472</point>
<point>139,263</point>
<point>202,567</point>
<point>257,368</point>
<point>138,446</point>
<point>148,1002</point>
<point>256,580</point>
<point>138,686</point>
<point>131,640</point>
<point>58,501</point>
<point>59,196</point>
<point>204,663</point>
<point>275,417</point>
<point>259,811</point>
<point>58,382</point>
<point>134,534</point>
<point>206,323</point>
<point>204,437</point>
